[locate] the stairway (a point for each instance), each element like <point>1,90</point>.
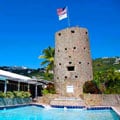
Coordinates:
<point>67,101</point>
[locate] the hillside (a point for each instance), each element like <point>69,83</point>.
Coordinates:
<point>34,73</point>
<point>23,70</point>
<point>103,64</point>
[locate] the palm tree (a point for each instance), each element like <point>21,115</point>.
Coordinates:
<point>48,56</point>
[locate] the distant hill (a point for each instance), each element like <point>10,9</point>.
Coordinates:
<point>24,70</point>
<point>102,64</point>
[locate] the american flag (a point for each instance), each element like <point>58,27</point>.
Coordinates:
<point>62,13</point>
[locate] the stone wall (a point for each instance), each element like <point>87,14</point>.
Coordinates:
<point>102,99</point>
<point>86,100</point>
<point>46,99</point>
<point>73,64</point>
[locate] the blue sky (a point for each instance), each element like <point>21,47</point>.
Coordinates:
<point>28,26</point>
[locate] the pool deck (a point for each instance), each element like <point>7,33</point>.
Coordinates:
<point>116,109</point>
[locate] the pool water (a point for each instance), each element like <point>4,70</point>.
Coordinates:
<point>39,113</point>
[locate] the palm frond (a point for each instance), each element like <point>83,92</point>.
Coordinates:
<point>48,56</point>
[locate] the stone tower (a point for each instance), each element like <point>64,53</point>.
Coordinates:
<point>73,65</point>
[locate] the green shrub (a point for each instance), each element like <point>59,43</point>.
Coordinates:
<point>90,87</point>
<point>26,94</point>
<point>45,91</point>
<point>9,94</point>
<point>21,94</point>
<point>49,89</point>
<point>2,95</point>
<point>17,94</point>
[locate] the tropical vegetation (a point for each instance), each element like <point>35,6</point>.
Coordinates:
<point>103,64</point>
<point>50,89</point>
<point>107,82</point>
<point>48,56</point>
<point>106,73</point>
<point>15,94</point>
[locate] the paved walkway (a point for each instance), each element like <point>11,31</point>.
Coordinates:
<point>116,109</point>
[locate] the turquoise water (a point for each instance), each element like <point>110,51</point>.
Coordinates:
<point>38,113</point>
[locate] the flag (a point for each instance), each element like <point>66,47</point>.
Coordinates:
<point>62,13</point>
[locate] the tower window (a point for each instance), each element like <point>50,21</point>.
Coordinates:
<point>74,47</point>
<point>59,34</point>
<point>65,48</point>
<point>76,76</point>
<point>70,62</point>
<point>70,68</point>
<point>72,31</point>
<point>79,62</point>
<point>58,50</point>
<point>59,63</point>
<point>86,32</point>
<point>65,77</point>
<point>69,56</point>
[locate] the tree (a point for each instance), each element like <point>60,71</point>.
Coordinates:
<point>108,81</point>
<point>48,56</point>
<point>91,87</point>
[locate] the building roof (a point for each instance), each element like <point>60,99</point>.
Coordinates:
<point>16,77</point>
<point>5,75</point>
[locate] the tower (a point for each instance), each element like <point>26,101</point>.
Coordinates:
<point>73,65</point>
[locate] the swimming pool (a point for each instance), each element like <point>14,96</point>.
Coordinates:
<point>34,112</point>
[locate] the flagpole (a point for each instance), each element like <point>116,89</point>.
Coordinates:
<point>68,17</point>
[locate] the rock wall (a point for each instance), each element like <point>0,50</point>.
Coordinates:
<point>87,100</point>
<point>102,99</point>
<point>73,64</point>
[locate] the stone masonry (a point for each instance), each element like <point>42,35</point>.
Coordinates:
<point>73,64</point>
